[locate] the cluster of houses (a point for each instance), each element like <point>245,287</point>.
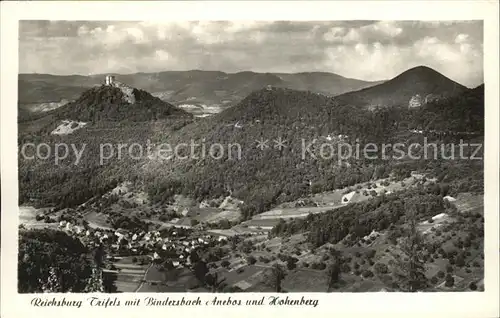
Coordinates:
<point>339,138</point>
<point>172,244</point>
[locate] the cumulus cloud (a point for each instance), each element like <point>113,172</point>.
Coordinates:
<point>370,50</point>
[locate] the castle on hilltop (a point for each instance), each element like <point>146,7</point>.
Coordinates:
<point>128,92</point>
<point>110,80</point>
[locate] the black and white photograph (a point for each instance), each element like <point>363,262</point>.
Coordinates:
<point>233,157</point>
<point>229,156</point>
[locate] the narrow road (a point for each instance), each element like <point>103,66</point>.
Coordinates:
<point>143,278</point>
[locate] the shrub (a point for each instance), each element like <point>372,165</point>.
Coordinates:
<point>381,268</point>
<point>440,274</point>
<point>346,268</point>
<point>305,264</point>
<point>321,266</point>
<point>291,265</point>
<point>472,286</point>
<point>449,269</point>
<point>370,253</point>
<point>450,281</point>
<point>460,261</point>
<point>251,260</point>
<point>225,263</point>
<point>434,280</point>
<point>367,273</point>
<point>134,259</point>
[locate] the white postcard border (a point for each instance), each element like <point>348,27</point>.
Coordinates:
<point>462,304</point>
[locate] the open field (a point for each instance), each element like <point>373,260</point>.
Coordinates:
<point>27,217</point>
<point>129,274</point>
<point>97,220</point>
<point>306,281</point>
<point>293,212</point>
<point>177,280</point>
<point>327,201</point>
<point>467,202</point>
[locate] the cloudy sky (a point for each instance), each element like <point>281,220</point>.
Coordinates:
<point>369,50</point>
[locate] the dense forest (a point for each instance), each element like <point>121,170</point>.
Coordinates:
<point>354,221</point>
<point>265,178</point>
<point>261,178</point>
<point>105,103</point>
<point>52,261</point>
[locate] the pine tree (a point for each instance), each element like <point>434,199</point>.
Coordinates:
<point>95,282</point>
<point>409,267</point>
<point>52,284</point>
<point>276,276</point>
<point>214,283</point>
<point>334,269</point>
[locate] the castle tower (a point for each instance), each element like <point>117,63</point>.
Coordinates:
<point>110,79</point>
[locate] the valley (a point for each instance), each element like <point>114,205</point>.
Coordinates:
<point>241,257</point>
<point>203,93</point>
<point>272,220</point>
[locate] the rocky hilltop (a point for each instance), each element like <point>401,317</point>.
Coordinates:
<point>113,101</point>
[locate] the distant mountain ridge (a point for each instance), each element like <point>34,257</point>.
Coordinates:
<point>418,83</point>
<point>178,87</point>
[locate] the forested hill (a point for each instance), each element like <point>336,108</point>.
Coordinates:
<point>107,103</point>
<point>460,113</point>
<point>306,114</point>
<point>261,178</point>
<point>275,103</point>
<point>422,81</point>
